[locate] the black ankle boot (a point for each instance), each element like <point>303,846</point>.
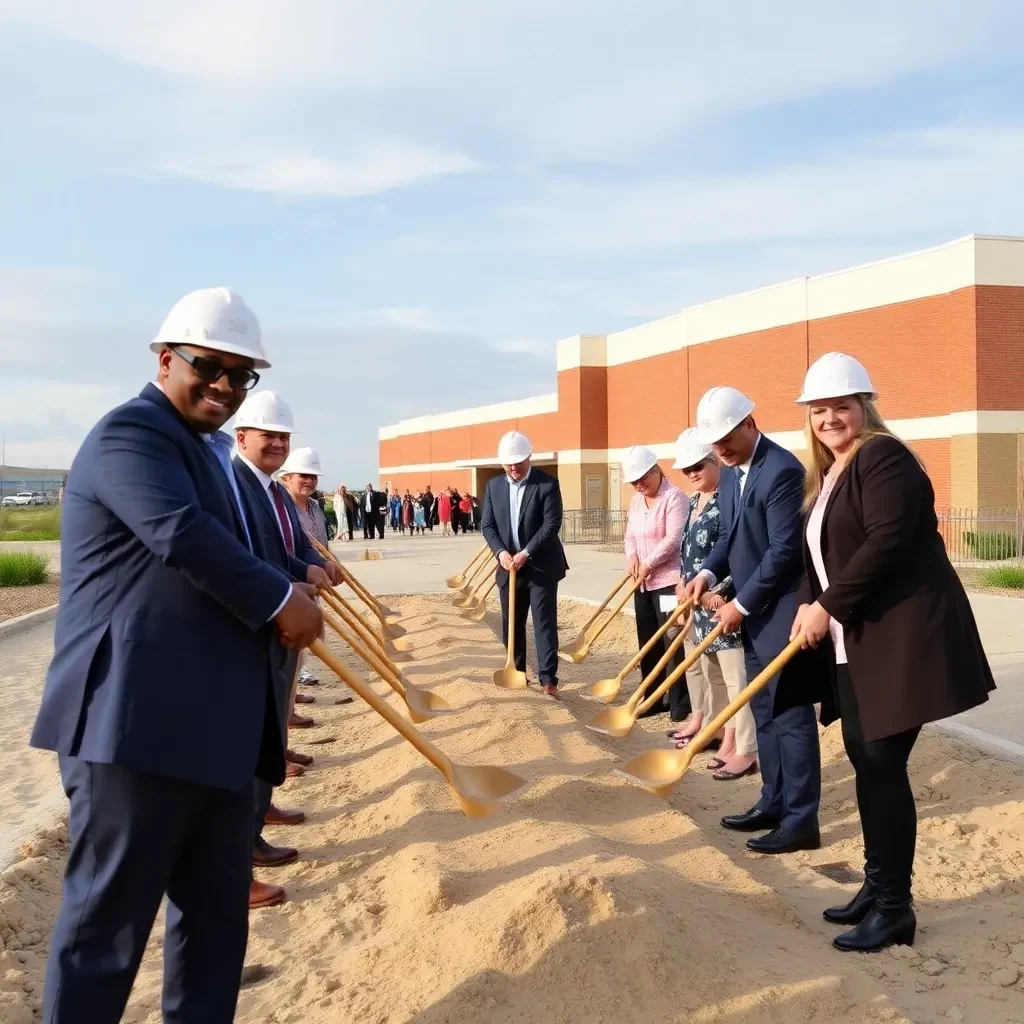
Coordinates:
<point>857,909</point>
<point>880,928</point>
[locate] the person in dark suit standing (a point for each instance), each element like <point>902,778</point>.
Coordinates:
<point>165,632</point>
<point>760,492</point>
<point>882,599</point>
<point>520,522</point>
<point>374,506</point>
<point>263,429</point>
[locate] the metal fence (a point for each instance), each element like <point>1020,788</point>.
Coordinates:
<point>593,526</point>
<point>973,537</point>
<point>983,537</point>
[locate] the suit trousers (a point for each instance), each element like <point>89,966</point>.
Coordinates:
<point>715,680</point>
<point>368,521</point>
<point>542,599</point>
<point>135,837</point>
<point>349,517</point>
<point>788,755</point>
<point>649,619</point>
<point>885,800</point>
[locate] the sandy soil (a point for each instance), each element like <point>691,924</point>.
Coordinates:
<point>15,601</point>
<point>586,899</point>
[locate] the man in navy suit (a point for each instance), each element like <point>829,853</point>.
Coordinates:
<point>760,546</point>
<point>165,632</point>
<point>263,429</point>
<point>520,522</point>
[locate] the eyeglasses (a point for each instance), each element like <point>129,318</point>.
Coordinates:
<point>241,378</point>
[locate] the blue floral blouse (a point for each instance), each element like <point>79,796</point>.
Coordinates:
<point>699,538</point>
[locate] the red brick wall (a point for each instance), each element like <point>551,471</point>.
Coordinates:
<point>1000,324</point>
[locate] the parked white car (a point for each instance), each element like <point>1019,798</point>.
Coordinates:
<point>24,498</point>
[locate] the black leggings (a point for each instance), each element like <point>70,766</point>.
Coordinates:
<point>649,619</point>
<point>885,800</point>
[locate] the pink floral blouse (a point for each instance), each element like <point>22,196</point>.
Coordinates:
<point>655,534</point>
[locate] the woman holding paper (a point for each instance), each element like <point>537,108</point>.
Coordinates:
<point>654,531</point>
<point>722,672</point>
<point>883,600</point>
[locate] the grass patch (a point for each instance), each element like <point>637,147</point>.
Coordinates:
<point>990,546</point>
<point>30,523</point>
<point>1011,577</point>
<point>22,568</point>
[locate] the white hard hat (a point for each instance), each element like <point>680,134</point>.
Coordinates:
<point>301,460</point>
<point>638,461</point>
<point>835,375</point>
<point>214,318</point>
<point>513,448</point>
<point>690,450</point>
<point>720,411</point>
<point>264,410</point>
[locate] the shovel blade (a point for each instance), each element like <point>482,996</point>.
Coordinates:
<point>510,678</point>
<point>399,644</point>
<point>617,722</point>
<point>576,651</point>
<point>478,614</point>
<point>480,789</point>
<point>658,770</point>
<point>394,632</point>
<point>606,690</point>
<point>456,582</point>
<point>464,602</point>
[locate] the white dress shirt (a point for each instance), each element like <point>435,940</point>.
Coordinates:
<point>814,523</point>
<point>266,483</point>
<point>743,473</point>
<point>515,504</point>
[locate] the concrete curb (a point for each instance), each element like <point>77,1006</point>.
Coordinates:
<point>11,627</point>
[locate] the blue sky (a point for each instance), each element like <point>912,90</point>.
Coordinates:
<point>419,198</point>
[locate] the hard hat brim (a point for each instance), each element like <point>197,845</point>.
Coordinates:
<point>806,399</point>
<point>227,348</point>
<point>273,428</point>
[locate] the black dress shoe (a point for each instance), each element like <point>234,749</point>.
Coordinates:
<point>754,820</point>
<point>266,856</point>
<point>784,840</point>
<point>879,929</point>
<point>857,909</point>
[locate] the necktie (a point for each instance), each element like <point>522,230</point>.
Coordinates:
<point>282,517</point>
<point>739,492</point>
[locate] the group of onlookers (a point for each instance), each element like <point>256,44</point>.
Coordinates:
<point>373,510</point>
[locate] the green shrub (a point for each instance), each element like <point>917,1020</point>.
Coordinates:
<point>22,568</point>
<point>1009,576</point>
<point>991,546</point>
<point>30,523</point>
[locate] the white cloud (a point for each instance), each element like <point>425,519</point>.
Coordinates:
<point>376,167</point>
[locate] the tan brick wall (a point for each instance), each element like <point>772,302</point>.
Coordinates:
<point>1000,326</point>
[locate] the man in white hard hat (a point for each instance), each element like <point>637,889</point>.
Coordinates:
<point>167,619</point>
<point>263,429</point>
<point>760,546</point>
<point>521,519</point>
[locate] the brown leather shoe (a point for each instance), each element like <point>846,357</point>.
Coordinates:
<point>293,771</point>
<point>296,721</point>
<point>304,698</point>
<point>293,757</point>
<point>277,816</point>
<point>551,690</point>
<point>263,895</point>
<point>266,856</point>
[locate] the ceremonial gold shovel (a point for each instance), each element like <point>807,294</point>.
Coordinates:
<point>606,690</point>
<point>388,616</point>
<point>422,704</point>
<point>569,651</point>
<point>509,677</point>
<point>355,622</point>
<point>463,598</point>
<point>660,770</point>
<point>457,581</point>
<point>479,789</point>
<point>477,611</point>
<point>619,721</point>
<point>580,647</point>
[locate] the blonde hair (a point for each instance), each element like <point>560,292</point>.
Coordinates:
<point>821,456</point>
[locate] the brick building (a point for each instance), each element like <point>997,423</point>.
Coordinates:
<point>941,332</point>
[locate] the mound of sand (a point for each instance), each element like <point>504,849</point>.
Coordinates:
<point>586,899</point>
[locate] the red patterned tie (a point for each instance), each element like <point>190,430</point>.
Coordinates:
<point>282,516</point>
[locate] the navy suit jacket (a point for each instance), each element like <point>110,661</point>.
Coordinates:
<point>760,544</point>
<point>540,519</point>
<point>163,631</point>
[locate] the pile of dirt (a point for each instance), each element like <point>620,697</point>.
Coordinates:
<point>585,899</point>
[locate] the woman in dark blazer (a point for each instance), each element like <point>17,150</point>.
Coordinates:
<point>881,596</point>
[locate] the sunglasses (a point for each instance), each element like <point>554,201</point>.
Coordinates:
<point>696,467</point>
<point>241,378</point>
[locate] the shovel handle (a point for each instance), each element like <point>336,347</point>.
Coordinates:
<point>591,638</point>
<point>638,694</point>
<point>755,686</point>
<point>345,610</point>
<point>408,732</point>
<point>371,659</point>
<point>357,588</point>
<point>680,669</point>
<point>481,568</point>
<point>482,551</point>
<point>510,660</point>
<point>604,604</point>
<point>662,630</point>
